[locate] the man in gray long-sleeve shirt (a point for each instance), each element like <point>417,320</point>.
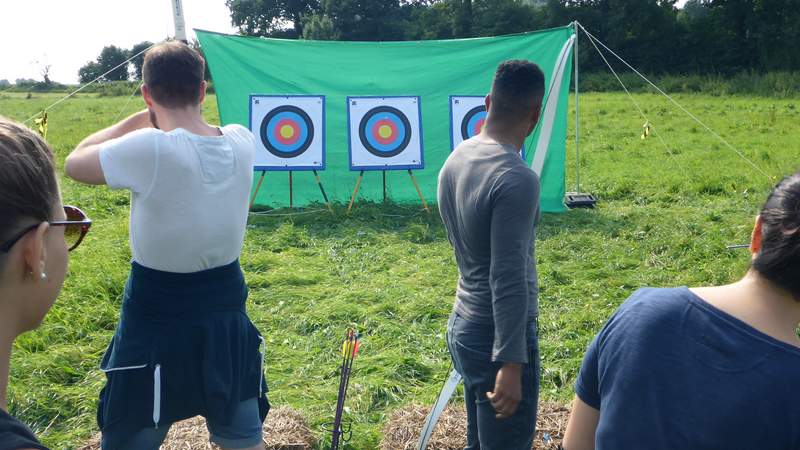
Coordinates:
<point>489,202</point>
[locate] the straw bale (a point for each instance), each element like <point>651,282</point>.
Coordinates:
<point>285,429</point>
<point>404,427</point>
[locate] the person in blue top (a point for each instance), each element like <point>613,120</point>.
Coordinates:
<point>703,368</point>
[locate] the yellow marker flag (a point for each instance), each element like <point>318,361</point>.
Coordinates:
<point>41,124</point>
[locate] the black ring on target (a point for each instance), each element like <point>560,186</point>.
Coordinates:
<point>468,119</point>
<point>266,139</point>
<point>406,132</point>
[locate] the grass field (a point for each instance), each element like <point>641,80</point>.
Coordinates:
<point>667,212</point>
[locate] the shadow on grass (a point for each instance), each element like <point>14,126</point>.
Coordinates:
<point>413,224</point>
<point>581,221</point>
<point>408,220</point>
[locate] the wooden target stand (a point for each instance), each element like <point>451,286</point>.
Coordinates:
<point>413,180</point>
<point>291,189</point>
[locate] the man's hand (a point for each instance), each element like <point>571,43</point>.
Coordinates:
<point>142,119</point>
<point>507,390</point>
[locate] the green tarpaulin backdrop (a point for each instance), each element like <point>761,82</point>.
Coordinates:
<point>433,70</point>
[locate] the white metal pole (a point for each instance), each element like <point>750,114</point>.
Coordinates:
<point>577,115</point>
<point>180,24</point>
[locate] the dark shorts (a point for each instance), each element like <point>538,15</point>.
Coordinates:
<point>470,346</point>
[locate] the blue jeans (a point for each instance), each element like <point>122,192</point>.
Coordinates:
<point>470,346</point>
<point>244,431</point>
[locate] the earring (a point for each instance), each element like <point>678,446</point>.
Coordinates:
<point>43,276</point>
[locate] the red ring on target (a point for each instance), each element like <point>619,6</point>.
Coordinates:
<point>295,132</point>
<point>377,128</point>
<point>478,127</point>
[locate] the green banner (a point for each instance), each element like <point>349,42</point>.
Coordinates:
<point>434,71</point>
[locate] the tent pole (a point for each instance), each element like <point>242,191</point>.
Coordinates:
<point>577,115</point>
<point>178,20</point>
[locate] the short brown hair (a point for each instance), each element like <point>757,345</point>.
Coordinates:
<point>173,72</point>
<point>517,85</point>
<point>28,186</point>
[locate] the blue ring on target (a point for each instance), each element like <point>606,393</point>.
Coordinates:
<point>401,133</point>
<point>299,121</point>
<point>471,118</point>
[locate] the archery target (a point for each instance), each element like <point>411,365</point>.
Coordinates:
<point>467,118</point>
<point>286,131</point>
<point>385,133</point>
<point>289,131</point>
<point>473,122</point>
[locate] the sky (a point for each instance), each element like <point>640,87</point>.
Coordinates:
<point>68,34</point>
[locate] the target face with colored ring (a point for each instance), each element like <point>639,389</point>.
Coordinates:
<point>287,131</point>
<point>384,131</point>
<point>473,122</point>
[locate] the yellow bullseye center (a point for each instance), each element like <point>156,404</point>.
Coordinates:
<point>287,131</point>
<point>385,131</point>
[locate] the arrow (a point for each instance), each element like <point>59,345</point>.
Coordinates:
<point>350,348</point>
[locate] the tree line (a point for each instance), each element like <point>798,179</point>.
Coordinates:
<point>656,36</point>
<point>705,36</point>
<point>110,64</point>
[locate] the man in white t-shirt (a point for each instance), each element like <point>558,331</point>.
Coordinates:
<point>190,183</point>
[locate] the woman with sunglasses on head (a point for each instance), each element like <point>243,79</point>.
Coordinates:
<point>703,368</point>
<point>35,234</point>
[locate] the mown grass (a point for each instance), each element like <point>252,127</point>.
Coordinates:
<point>667,212</point>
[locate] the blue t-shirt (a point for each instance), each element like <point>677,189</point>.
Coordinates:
<point>670,371</point>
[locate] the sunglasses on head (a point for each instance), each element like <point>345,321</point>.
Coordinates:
<point>75,228</point>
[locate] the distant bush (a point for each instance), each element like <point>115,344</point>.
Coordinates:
<point>38,86</point>
<point>121,88</point>
<point>770,84</point>
<point>114,88</point>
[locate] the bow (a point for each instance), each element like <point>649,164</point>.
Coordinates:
<point>441,402</point>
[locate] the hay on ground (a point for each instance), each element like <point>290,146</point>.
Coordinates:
<point>285,429</point>
<point>403,429</point>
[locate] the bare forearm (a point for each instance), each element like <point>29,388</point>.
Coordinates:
<point>134,122</point>
<point>83,164</point>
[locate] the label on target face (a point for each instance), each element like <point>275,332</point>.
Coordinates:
<point>467,118</point>
<point>385,133</point>
<point>289,131</point>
